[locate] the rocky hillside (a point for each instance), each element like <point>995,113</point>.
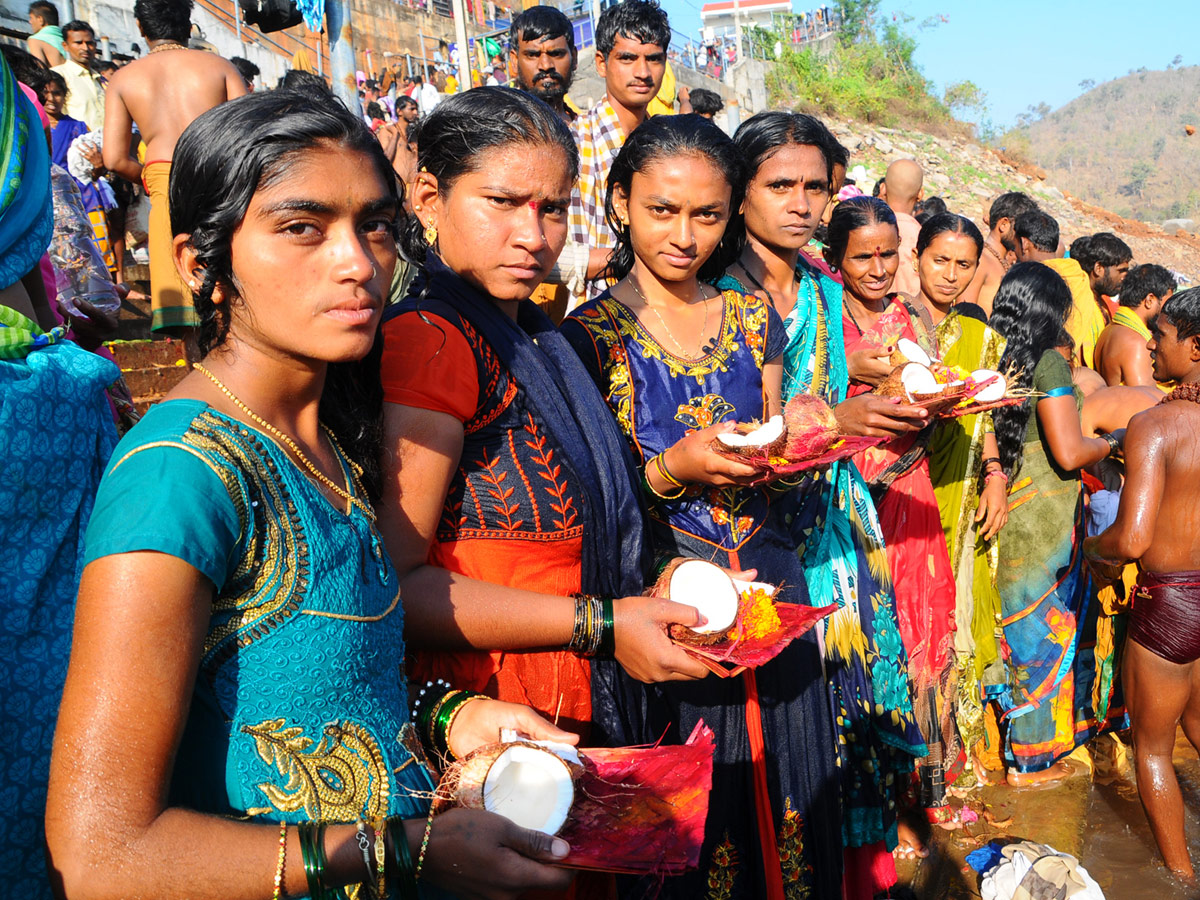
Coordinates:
<point>1125,144</point>
<point>968,176</point>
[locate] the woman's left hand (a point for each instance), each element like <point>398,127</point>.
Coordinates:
<point>993,508</point>
<point>480,722</point>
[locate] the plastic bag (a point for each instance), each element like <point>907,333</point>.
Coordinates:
<point>79,270</point>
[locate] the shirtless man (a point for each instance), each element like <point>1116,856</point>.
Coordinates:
<point>1158,524</point>
<point>902,188</point>
<point>996,246</point>
<point>1122,355</point>
<point>45,37</point>
<point>162,93</point>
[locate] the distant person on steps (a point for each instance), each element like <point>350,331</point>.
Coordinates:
<point>161,94</point>
<point>45,37</point>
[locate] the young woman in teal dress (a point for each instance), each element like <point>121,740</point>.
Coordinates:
<point>679,362</point>
<point>791,159</point>
<point>235,721</point>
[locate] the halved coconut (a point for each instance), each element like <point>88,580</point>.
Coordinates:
<point>758,440</point>
<point>531,787</point>
<point>918,381</point>
<point>909,351</point>
<point>993,391</point>
<point>705,586</point>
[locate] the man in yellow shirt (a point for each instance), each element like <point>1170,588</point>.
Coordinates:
<point>85,93</point>
<point>1123,353</point>
<point>1105,260</point>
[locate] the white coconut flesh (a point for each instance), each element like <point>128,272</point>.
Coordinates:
<point>530,787</point>
<point>709,588</point>
<point>918,379</point>
<point>993,391</point>
<point>763,436</point>
<point>913,352</point>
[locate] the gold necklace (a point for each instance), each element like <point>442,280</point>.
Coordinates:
<point>703,328</point>
<point>292,445</point>
<point>168,45</point>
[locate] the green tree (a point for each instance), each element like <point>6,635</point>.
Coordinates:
<point>1087,84</point>
<point>857,19</point>
<point>1139,174</point>
<point>966,96</point>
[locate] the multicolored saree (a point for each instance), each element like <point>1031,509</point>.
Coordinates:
<point>26,211</point>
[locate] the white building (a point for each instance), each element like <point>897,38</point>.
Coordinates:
<point>721,18</point>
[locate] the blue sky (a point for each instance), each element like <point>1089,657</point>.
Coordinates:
<point>1024,52</point>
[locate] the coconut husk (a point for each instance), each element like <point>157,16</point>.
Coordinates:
<point>462,781</point>
<point>641,810</point>
<point>892,386</point>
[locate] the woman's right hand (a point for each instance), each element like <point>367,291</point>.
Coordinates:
<point>477,854</point>
<point>692,461</point>
<point>642,645</point>
<point>875,416</point>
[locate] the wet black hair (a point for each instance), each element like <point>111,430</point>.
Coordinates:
<point>1039,228</point>
<point>299,80</point>
<point>760,136</point>
<point>1144,280</point>
<point>706,102</point>
<point>1104,248</point>
<point>47,11</point>
<point>944,223</point>
<point>26,68</point>
<point>930,207</point>
<point>77,25</point>
<point>1029,311</point>
<point>222,159</point>
<point>539,22</point>
<point>1009,206</point>
<point>248,70</point>
<point>664,137</point>
<point>850,215</point>
<point>404,101</point>
<point>375,111</point>
<point>164,20</point>
<point>452,139</point>
<point>52,77</point>
<point>1183,311</point>
<point>638,20</point>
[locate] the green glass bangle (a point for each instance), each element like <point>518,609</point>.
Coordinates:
<point>308,854</point>
<point>406,873</point>
<point>441,725</point>
<point>425,718</point>
<point>608,632</point>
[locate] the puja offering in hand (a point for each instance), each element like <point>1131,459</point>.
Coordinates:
<point>745,625</point>
<point>632,809</point>
<point>805,436</point>
<point>944,390</point>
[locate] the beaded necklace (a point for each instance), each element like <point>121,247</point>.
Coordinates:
<point>1189,391</point>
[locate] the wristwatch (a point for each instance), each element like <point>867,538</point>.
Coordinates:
<point>1114,446</point>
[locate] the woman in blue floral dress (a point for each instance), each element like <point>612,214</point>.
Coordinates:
<point>680,362</point>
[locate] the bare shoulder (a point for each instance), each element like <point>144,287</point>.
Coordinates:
<point>1162,422</point>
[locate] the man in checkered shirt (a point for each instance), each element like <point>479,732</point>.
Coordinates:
<point>631,55</point>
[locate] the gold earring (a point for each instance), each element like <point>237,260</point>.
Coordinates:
<point>417,207</point>
<point>430,234</point>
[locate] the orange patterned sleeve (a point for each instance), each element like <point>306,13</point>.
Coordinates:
<point>428,364</point>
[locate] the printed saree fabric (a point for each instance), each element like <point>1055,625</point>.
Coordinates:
<point>26,207</point>
<point>1053,701</point>
<point>841,546</point>
<point>56,436</point>
<point>769,832</point>
<point>300,707</point>
<point>955,468</point>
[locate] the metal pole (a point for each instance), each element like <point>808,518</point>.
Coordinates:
<point>237,24</point>
<point>463,52</point>
<point>421,38</point>
<point>341,52</point>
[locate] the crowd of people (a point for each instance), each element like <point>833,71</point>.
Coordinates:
<point>458,370</point>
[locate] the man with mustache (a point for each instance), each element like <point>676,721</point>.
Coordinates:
<point>631,55</point>
<point>544,42</point>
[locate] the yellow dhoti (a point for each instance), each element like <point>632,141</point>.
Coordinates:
<point>170,303</point>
